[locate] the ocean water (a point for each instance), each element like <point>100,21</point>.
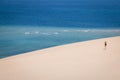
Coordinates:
<point>61,13</point>
<point>17,40</point>
<point>28,25</point>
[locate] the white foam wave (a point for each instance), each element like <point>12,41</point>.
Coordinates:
<point>45,33</point>
<point>93,30</point>
<point>73,31</point>
<point>27,33</point>
<point>36,32</point>
<point>56,33</point>
<point>65,30</point>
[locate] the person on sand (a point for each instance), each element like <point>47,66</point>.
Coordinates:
<point>105,44</point>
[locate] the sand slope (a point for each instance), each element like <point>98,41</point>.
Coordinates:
<point>78,61</point>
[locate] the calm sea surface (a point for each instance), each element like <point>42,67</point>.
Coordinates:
<point>27,25</point>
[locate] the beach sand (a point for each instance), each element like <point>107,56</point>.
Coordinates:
<point>88,60</point>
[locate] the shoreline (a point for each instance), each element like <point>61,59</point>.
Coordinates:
<point>59,46</point>
<point>35,38</point>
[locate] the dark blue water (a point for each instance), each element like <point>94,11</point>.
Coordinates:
<point>61,13</point>
<point>27,25</point>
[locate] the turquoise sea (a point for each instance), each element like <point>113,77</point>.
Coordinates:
<point>17,40</point>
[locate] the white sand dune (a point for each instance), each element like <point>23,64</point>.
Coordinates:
<point>87,60</point>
